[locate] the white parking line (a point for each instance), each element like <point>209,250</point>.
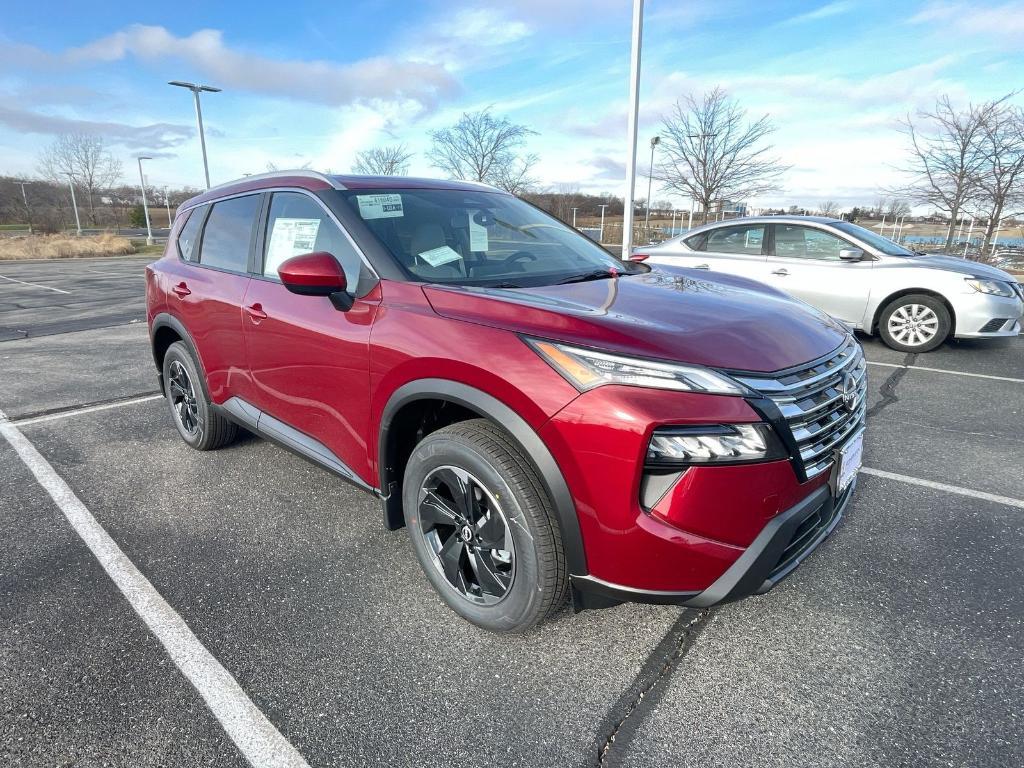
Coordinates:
<point>35,285</point>
<point>250,730</point>
<point>1009,501</point>
<point>86,409</point>
<point>944,370</point>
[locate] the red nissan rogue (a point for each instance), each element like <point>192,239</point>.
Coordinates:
<point>543,418</point>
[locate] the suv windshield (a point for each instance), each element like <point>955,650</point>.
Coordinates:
<point>883,244</point>
<point>480,238</point>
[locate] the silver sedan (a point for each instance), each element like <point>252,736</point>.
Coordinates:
<point>914,301</point>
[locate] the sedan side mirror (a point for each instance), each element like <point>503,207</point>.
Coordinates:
<point>316,274</point>
<point>852,254</point>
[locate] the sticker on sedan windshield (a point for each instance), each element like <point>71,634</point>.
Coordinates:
<point>435,257</point>
<point>290,237</point>
<point>380,206</point>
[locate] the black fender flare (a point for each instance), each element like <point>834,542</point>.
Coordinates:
<point>495,410</point>
<point>166,320</point>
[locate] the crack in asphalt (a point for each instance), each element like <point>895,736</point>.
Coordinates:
<point>888,388</point>
<point>647,689</point>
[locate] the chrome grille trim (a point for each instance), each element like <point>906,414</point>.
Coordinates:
<point>810,400</point>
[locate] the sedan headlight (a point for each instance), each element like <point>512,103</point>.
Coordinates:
<point>994,287</point>
<point>674,447</point>
<point>587,368</point>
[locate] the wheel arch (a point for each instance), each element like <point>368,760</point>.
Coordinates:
<point>477,404</point>
<point>165,330</point>
<point>908,292</point>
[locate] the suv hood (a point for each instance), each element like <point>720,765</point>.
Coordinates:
<point>954,264</point>
<point>682,315</point>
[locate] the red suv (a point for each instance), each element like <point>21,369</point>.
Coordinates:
<point>543,417</point>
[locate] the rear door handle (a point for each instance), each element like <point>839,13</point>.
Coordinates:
<point>181,289</point>
<point>256,311</point>
<point>702,266</point>
<point>782,272</point>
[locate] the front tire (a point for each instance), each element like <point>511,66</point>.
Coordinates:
<point>199,425</point>
<point>914,323</point>
<point>483,528</point>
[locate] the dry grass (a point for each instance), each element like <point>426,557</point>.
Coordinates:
<point>63,247</point>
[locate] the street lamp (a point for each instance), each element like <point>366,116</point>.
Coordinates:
<point>28,211</point>
<point>655,140</point>
<point>600,237</point>
<point>74,203</point>
<point>145,205</point>
<point>167,202</point>
<point>574,217</point>
<point>196,88</point>
<point>631,130</point>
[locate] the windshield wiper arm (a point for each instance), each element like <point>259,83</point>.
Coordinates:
<point>598,274</point>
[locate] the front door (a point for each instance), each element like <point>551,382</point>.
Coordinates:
<point>805,263</point>
<point>309,361</point>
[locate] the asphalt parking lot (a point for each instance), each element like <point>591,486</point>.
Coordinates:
<point>900,642</point>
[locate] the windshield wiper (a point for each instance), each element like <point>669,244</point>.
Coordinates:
<point>504,285</point>
<point>597,274</point>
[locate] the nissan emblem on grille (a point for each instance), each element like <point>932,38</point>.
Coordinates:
<point>849,390</point>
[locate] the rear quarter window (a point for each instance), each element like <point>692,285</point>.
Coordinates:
<point>188,237</point>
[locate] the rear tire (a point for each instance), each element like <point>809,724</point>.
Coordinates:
<point>198,423</point>
<point>483,528</point>
<point>914,323</point>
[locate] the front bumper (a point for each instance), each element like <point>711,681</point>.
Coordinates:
<point>781,546</point>
<point>977,313</point>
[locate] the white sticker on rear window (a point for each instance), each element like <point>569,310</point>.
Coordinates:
<point>290,237</point>
<point>380,206</point>
<point>435,257</point>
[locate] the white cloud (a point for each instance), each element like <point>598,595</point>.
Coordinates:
<point>824,12</point>
<point>1003,22</point>
<point>155,136</point>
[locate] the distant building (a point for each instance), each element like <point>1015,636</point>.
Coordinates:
<point>727,207</point>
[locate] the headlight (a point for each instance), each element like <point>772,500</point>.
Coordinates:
<point>994,287</point>
<point>672,447</point>
<point>586,369</point>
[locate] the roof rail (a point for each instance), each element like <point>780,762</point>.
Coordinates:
<point>279,174</point>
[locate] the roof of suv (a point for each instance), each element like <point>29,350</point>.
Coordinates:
<point>314,181</point>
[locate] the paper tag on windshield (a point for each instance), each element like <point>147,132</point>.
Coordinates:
<point>438,256</point>
<point>380,206</point>
<point>291,237</point>
<point>477,236</point>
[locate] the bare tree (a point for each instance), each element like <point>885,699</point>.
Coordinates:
<point>828,208</point>
<point>999,186</point>
<point>84,158</point>
<point>383,161</point>
<point>481,147</point>
<point>947,155</point>
<point>711,152</point>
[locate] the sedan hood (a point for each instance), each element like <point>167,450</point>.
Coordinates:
<point>956,264</point>
<point>674,314</point>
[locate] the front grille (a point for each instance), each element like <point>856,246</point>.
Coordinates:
<point>994,324</point>
<point>823,403</point>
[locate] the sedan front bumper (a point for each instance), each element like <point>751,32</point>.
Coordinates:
<point>984,316</point>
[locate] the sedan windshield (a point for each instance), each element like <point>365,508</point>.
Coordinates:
<point>459,237</point>
<point>883,244</point>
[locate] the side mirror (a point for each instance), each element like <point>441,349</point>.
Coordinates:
<point>316,274</point>
<point>852,254</point>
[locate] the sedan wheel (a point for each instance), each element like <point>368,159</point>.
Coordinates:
<point>915,323</point>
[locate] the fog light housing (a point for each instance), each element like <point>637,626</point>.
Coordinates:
<point>682,446</point>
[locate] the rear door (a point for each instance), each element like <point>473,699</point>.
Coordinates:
<point>735,250</point>
<point>805,263</point>
<point>309,361</point>
<point>207,286</point>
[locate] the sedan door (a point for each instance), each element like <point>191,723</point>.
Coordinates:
<point>310,361</point>
<point>805,263</point>
<point>735,250</point>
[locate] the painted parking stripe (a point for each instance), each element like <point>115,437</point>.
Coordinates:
<point>83,410</point>
<point>35,285</point>
<point>944,370</point>
<point>254,735</point>
<point>1009,501</point>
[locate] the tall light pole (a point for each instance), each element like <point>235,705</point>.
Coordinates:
<point>196,88</point>
<point>634,110</point>
<point>28,211</point>
<point>650,178</point>
<point>689,222</point>
<point>600,237</point>
<point>167,202</point>
<point>145,205</point>
<point>970,231</point>
<point>574,217</point>
<point>74,203</point>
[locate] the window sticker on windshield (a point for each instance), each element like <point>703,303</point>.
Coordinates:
<point>754,237</point>
<point>435,257</point>
<point>380,206</point>
<point>291,237</point>
<point>477,236</point>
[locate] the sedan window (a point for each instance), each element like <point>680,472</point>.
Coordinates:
<point>747,239</point>
<point>805,243</point>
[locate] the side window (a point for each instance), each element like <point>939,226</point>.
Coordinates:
<point>805,243</point>
<point>297,224</point>
<point>697,242</point>
<point>746,239</point>
<point>227,235</point>
<point>188,237</point>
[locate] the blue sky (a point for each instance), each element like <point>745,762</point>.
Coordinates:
<point>316,82</point>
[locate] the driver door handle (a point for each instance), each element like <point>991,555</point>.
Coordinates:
<point>181,290</point>
<point>702,266</point>
<point>256,311</point>
<point>783,272</point>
